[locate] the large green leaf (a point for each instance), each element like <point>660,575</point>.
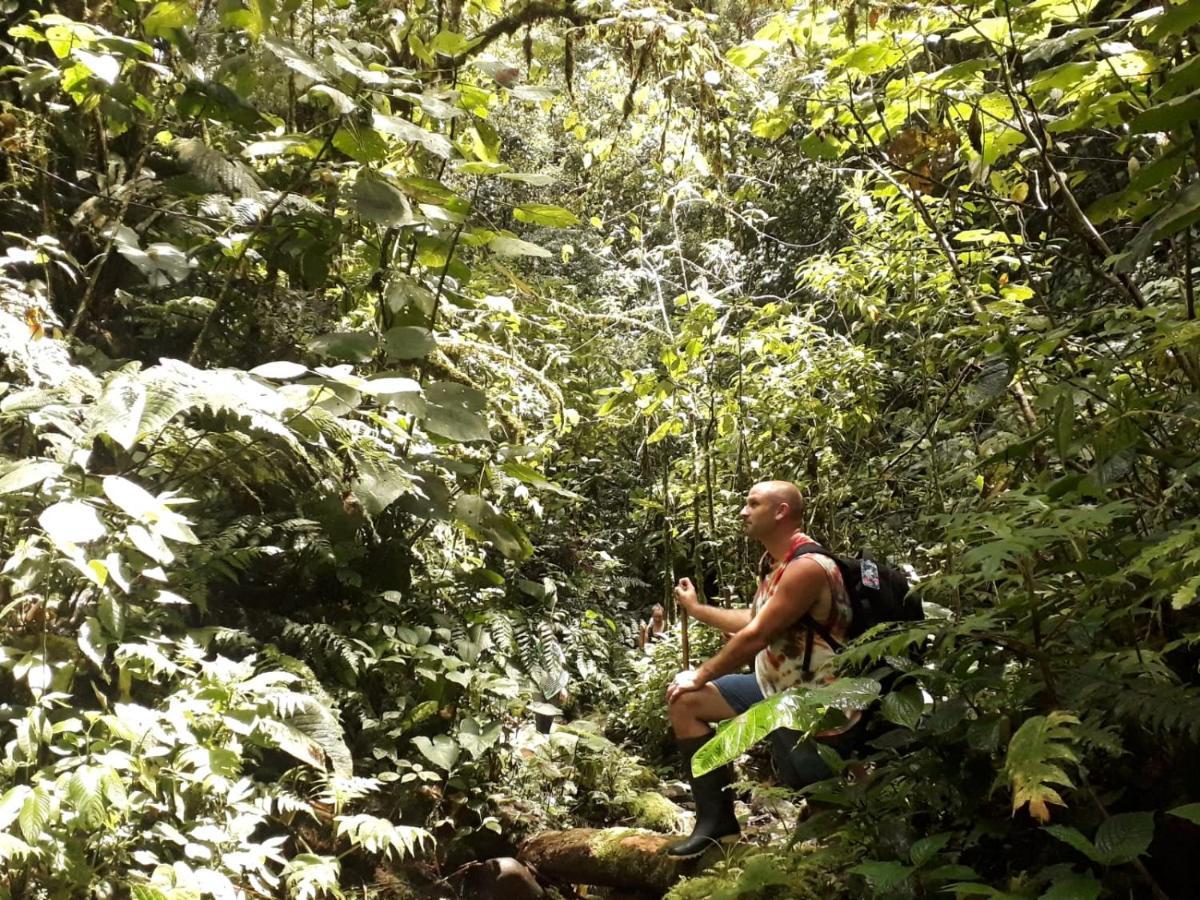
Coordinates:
<point>167,17</point>
<point>255,18</point>
<point>823,146</point>
<point>531,476</point>
<point>360,143</point>
<point>904,706</point>
<point>91,641</point>
<point>11,803</point>
<point>800,709</point>
<point>72,522</point>
<point>1174,113</point>
<point>926,849</point>
<point>134,500</point>
<point>27,473</point>
<point>437,144</point>
<point>537,179</point>
<point>112,615</point>
<point>1124,837</point>
<point>380,483</point>
<point>440,750</point>
<point>1189,811</point>
<point>1073,886</point>
<point>381,202</point>
<point>505,245</point>
<point>545,214</point>
<point>883,875</point>
<point>1177,19</point>
<point>454,411</point>
<point>358,346</point>
<point>295,58</point>
<point>84,792</point>
<point>1179,214</point>
<point>1182,79</point>
<point>489,524</point>
<point>280,371</point>
<point>1075,838</point>
<point>408,342</point>
<point>35,813</point>
<point>406,294</point>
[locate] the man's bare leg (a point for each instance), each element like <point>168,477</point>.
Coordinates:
<point>692,713</point>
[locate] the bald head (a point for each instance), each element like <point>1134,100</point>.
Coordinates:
<point>773,507</point>
<point>784,493</point>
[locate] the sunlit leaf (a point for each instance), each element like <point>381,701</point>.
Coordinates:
<point>381,202</point>
<point>28,473</point>
<point>279,371</point>
<point>295,59</point>
<point>440,750</point>
<point>545,214</point>
<point>801,709</point>
<point>504,245</point>
<point>167,17</point>
<point>437,144</point>
<point>72,522</point>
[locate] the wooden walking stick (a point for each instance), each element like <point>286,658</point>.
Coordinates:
<point>683,623</point>
<point>669,550</point>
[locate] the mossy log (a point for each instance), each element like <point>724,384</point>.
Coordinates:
<point>608,857</point>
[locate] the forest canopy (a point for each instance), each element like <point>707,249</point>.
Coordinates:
<point>372,367</point>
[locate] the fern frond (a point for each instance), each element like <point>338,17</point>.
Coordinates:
<point>1031,765</point>
<point>1159,707</point>
<point>504,635</point>
<point>325,647</point>
<point>287,803</point>
<point>218,172</point>
<point>887,639</point>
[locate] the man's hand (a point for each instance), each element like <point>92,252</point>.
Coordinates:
<point>684,683</point>
<point>685,594</point>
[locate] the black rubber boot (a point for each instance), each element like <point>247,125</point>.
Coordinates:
<point>715,818</point>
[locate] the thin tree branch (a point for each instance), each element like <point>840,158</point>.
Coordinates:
<point>534,12</point>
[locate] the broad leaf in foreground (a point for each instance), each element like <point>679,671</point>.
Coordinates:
<point>801,709</point>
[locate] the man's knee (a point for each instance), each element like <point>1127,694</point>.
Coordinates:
<point>705,705</point>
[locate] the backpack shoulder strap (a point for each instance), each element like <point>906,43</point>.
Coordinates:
<point>810,547</point>
<point>811,624</point>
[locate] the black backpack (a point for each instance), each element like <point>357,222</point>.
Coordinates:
<point>877,592</point>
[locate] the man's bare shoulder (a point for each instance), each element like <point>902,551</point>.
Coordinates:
<point>804,575</point>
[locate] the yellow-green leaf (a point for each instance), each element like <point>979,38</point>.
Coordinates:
<point>545,214</point>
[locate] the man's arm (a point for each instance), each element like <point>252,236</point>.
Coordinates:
<point>728,620</point>
<point>802,585</point>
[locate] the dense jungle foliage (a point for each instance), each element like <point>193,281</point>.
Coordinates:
<point>370,367</point>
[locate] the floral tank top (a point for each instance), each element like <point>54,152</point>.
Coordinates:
<point>780,665</point>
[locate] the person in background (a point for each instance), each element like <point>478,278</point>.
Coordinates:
<point>653,630</point>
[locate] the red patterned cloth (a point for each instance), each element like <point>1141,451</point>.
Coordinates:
<point>780,665</point>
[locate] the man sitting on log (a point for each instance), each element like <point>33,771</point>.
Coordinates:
<point>775,633</point>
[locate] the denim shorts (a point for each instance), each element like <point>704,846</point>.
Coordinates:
<point>796,761</point>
